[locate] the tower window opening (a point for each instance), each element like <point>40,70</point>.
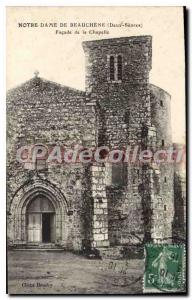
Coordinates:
<point>162,143</point>
<point>119,67</point>
<point>115,67</point>
<point>165,179</point>
<point>119,174</point>
<point>161,103</point>
<point>126,117</point>
<point>112,68</point>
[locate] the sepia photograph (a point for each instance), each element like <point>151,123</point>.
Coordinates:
<point>96,150</point>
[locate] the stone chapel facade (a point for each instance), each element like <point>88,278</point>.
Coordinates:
<point>75,206</point>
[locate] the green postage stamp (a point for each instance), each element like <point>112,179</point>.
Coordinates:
<point>164,268</point>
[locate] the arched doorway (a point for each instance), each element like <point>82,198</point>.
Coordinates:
<point>20,210</point>
<point>40,217</point>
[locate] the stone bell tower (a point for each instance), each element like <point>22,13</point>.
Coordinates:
<point>117,79</point>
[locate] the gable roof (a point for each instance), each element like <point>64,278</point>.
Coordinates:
<point>43,84</point>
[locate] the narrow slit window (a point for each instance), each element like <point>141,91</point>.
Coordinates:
<point>119,174</point>
<point>119,67</point>
<point>126,117</point>
<point>161,103</point>
<point>41,159</point>
<point>162,143</point>
<point>112,68</point>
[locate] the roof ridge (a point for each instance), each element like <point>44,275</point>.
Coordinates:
<point>45,81</point>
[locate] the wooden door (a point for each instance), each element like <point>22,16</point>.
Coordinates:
<point>34,227</point>
<point>52,228</point>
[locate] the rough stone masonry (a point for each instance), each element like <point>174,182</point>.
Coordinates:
<point>93,205</point>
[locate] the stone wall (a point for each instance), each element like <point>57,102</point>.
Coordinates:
<point>129,111</point>
<point>133,112</point>
<point>136,54</point>
<point>161,119</point>
<point>179,223</point>
<point>124,110</point>
<point>42,112</point>
<point>180,197</point>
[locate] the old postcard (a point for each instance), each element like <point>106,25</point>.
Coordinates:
<point>96,184</point>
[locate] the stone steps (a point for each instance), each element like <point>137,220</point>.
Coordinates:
<point>39,247</point>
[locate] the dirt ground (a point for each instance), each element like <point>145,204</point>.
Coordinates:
<point>41,272</point>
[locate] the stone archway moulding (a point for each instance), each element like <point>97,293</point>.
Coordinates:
<point>21,201</point>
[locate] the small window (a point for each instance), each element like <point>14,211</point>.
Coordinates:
<point>40,157</point>
<point>115,68</point>
<point>41,164</point>
<point>119,174</point>
<point>119,67</point>
<point>126,117</point>
<point>112,68</point>
<point>165,179</point>
<point>165,207</point>
<point>162,143</point>
<point>156,184</point>
<point>161,103</point>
